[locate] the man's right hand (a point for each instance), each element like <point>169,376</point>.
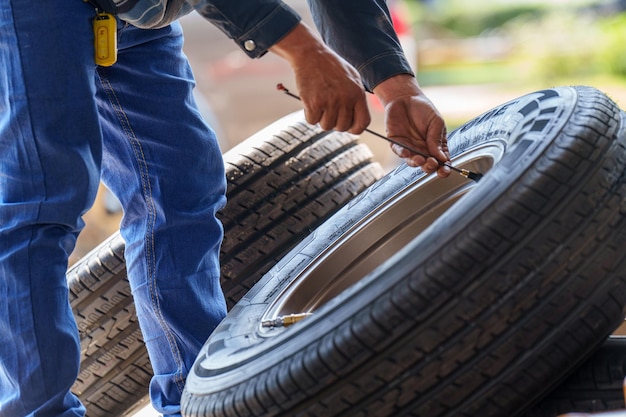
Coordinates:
<point>330,88</point>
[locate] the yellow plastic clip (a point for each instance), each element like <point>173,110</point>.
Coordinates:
<point>105,39</point>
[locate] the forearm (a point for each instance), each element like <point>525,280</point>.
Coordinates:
<point>300,46</point>
<point>361,32</point>
<point>402,85</point>
<point>331,90</point>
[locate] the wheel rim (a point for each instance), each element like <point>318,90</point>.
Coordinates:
<point>378,236</point>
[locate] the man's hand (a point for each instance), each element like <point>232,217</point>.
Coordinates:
<point>333,96</point>
<point>411,118</point>
<point>331,89</point>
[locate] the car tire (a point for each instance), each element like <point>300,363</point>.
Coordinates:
<point>282,182</point>
<point>429,297</point>
<point>596,386</point>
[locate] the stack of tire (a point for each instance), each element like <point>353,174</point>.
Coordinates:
<point>421,296</point>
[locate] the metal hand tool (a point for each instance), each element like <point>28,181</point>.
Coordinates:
<point>475,176</point>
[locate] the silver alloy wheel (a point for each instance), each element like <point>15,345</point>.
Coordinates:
<point>380,235</point>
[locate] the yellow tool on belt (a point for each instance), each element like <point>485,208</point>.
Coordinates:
<point>105,38</point>
<point>104,35</point>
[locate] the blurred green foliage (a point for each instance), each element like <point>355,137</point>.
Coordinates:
<point>548,42</point>
<point>466,23</point>
<point>612,48</point>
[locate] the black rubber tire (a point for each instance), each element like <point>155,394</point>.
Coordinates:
<point>596,386</point>
<point>508,285</point>
<point>282,182</point>
<point>280,187</point>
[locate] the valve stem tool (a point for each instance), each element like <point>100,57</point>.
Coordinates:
<point>474,176</point>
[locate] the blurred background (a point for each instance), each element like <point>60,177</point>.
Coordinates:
<point>470,56</point>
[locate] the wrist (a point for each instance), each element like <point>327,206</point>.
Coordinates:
<point>299,45</point>
<point>401,85</point>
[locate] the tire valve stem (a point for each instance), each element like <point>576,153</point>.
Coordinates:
<point>285,321</point>
<point>474,176</point>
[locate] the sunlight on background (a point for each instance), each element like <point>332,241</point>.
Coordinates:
<point>521,45</point>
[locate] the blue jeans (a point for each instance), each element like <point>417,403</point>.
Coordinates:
<point>66,124</point>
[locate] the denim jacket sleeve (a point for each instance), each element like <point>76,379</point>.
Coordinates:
<point>359,30</point>
<point>254,25</point>
<point>362,33</point>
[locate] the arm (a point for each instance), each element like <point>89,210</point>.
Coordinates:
<point>361,31</point>
<point>333,95</point>
<point>331,89</point>
<point>410,117</point>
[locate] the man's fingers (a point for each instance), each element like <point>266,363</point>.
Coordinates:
<point>431,165</point>
<point>353,117</point>
<point>361,118</point>
<point>412,159</point>
<point>400,151</point>
<point>312,114</point>
<point>437,142</point>
<point>329,119</point>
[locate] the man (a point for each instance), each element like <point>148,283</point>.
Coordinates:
<point>67,123</point>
